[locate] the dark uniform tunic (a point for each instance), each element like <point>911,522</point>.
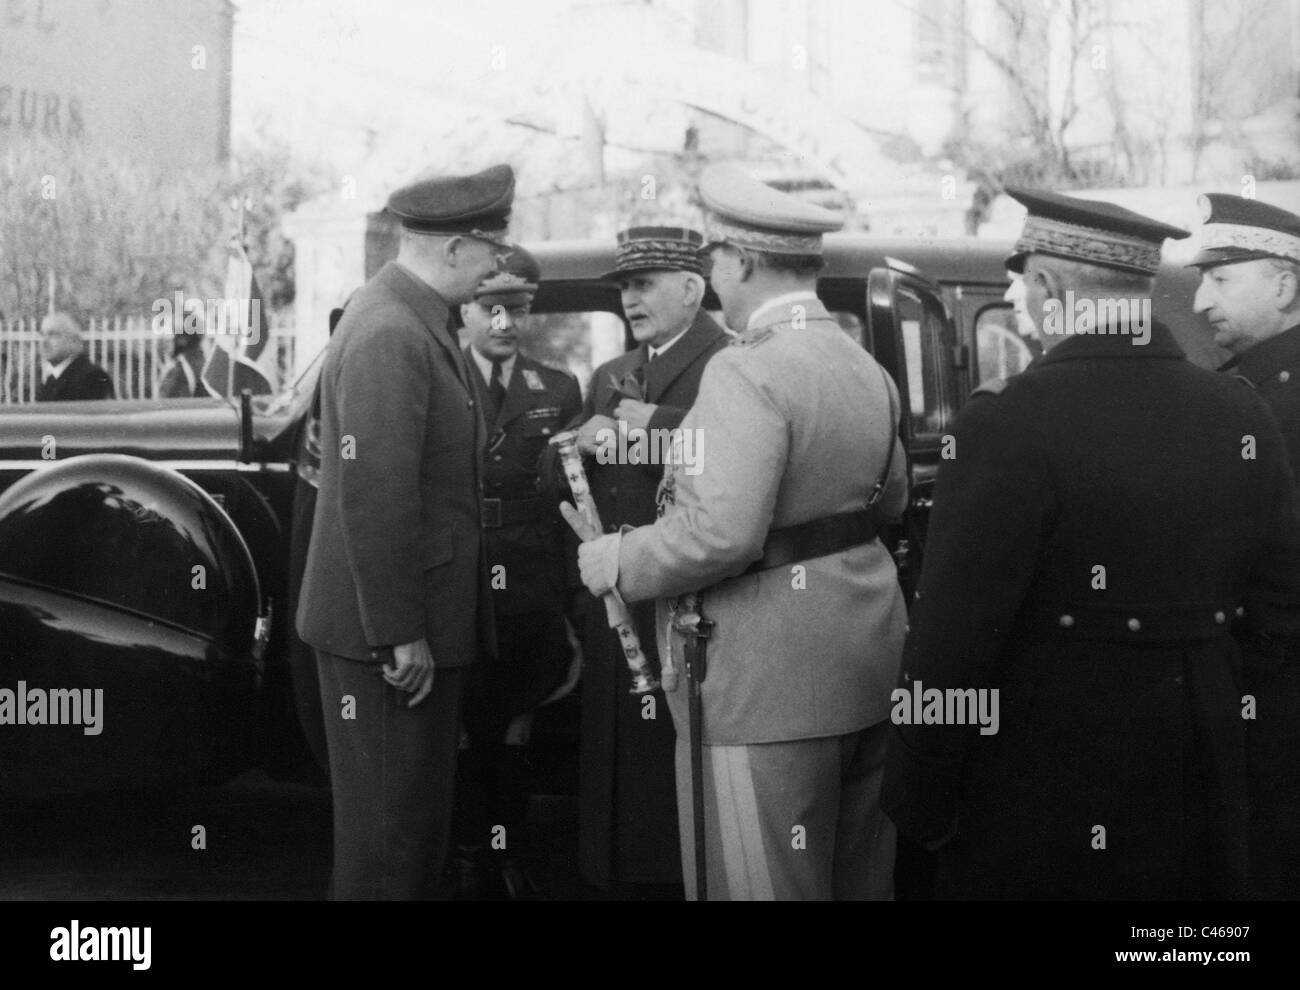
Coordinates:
<point>1118,769</point>
<point>628,796</point>
<point>525,547</point>
<point>1273,738</point>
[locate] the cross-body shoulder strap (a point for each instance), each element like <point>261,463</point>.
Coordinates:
<point>883,480</point>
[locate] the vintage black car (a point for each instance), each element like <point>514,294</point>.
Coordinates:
<point>154,548</point>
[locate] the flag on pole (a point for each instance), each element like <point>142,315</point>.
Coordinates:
<point>238,355</point>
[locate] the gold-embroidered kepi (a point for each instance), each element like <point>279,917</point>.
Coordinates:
<point>656,249</point>
<point>1090,231</point>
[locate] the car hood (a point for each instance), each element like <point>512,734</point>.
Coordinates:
<point>171,429</point>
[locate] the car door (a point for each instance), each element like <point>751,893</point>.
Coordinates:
<point>912,334</point>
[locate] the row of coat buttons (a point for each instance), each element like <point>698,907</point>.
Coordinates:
<point>1135,624</point>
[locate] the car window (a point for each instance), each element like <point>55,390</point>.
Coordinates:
<point>1002,350</point>
<point>922,327</point>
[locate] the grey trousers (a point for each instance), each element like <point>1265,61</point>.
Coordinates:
<point>791,820</point>
<point>393,771</point>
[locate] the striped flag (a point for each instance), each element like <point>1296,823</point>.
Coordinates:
<point>239,356</point>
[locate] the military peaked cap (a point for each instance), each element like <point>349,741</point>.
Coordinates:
<point>474,205</point>
<point>1089,231</point>
<point>518,278</point>
<point>751,214</point>
<point>1240,229</point>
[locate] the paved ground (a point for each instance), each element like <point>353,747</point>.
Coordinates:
<point>265,839</point>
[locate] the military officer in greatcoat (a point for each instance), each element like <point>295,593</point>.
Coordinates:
<point>524,404</point>
<point>395,597</point>
<point>1104,518</point>
<point>773,524</point>
<point>1250,292</point>
<point>627,809</point>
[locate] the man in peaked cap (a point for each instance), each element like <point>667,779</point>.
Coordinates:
<point>628,820</point>
<point>1250,293</point>
<point>524,404</point>
<point>395,595</point>
<point>1093,539</point>
<point>771,528</point>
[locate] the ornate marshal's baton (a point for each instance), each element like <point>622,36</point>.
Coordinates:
<point>620,618</point>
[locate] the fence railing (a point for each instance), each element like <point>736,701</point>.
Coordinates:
<point>135,357</point>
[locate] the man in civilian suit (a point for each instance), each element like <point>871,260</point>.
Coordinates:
<point>628,801</point>
<point>394,597</point>
<point>66,373</point>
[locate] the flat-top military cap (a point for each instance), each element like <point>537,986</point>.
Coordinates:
<point>751,214</point>
<point>663,249</point>
<point>1090,231</point>
<point>473,205</point>
<point>1240,229</point>
<point>515,282</point>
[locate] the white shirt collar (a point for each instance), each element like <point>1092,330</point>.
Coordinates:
<point>788,299</point>
<point>656,351</point>
<point>485,366</point>
<point>57,370</point>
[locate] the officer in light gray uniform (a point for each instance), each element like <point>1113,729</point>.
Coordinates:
<point>764,513</point>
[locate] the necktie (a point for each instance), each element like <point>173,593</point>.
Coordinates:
<point>497,386</point>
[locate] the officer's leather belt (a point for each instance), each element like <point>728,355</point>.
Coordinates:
<point>1190,621</point>
<point>815,538</point>
<point>498,512</point>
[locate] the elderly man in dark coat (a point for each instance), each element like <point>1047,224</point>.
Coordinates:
<point>1104,518</point>
<point>66,373</point>
<point>628,802</point>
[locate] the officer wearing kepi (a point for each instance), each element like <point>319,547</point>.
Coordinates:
<point>628,816</point>
<point>524,404</point>
<point>1103,519</point>
<point>1250,292</point>
<point>771,535</point>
